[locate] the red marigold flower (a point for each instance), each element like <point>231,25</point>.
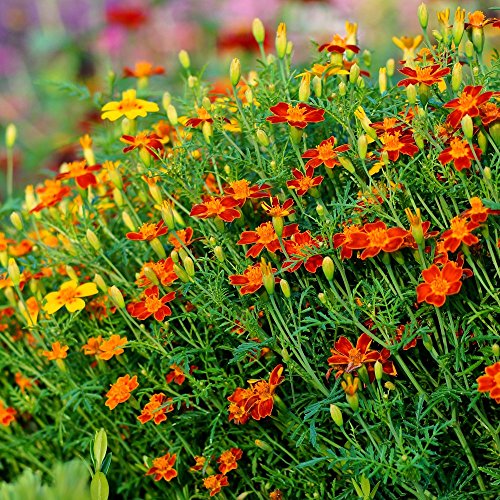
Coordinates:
<point>143,69</point>
<point>203,116</point>
<point>489,113</point>
<point>181,238</point>
<point>324,154</point>
<point>299,247</point>
<point>339,45</point>
<point>241,190</point>
<point>467,103</point>
<point>459,232</point>
<point>478,212</point>
<point>177,375</point>
<point>120,391</point>
<point>296,116</point>
<point>428,75</point>
<point>144,141</point>
<point>81,172</point>
<point>397,142</point>
<point>163,269</point>
<point>163,468</point>
<point>265,236</point>
<point>375,238</point>
<point>491,381</point>
<point>217,207</point>
<point>343,240</point>
<point>346,358</point>
<point>156,409</point>
<point>237,401</point>
<point>251,280</point>
<point>228,460</point>
<point>274,209</point>
<point>302,183</point>
<point>151,305</point>
<point>51,193</point>
<point>460,153</point>
<point>260,403</point>
<point>199,463</point>
<point>7,415</point>
<point>399,336</point>
<point>439,283</point>
<point>148,231</point>
<point>215,482</point>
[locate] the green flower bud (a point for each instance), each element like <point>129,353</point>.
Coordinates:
<point>411,94</point>
<point>382,80</point>
<point>482,141</point>
<point>423,16</point>
<point>469,49</point>
<point>285,288</point>
<point>354,73</point>
<point>379,370</point>
<point>10,135</point>
<point>219,253</point>
<point>456,77</point>
<point>14,272</point>
<point>116,297</point>
<point>16,220</point>
<point>305,87</point>
<point>362,146</point>
<point>172,115</point>
<point>342,89</point>
<point>93,240</point>
<point>258,30</point>
<point>317,86</point>
<point>101,284</point>
<point>495,349</point>
<point>262,137</point>
<point>296,134</point>
<point>328,268</point>
<point>336,415</point>
<point>189,266</point>
<point>166,100</point>
<point>367,58</point>
<point>207,130</point>
<point>184,59</point>
<point>281,41</point>
<point>467,127</point>
<point>158,248</point>
<point>235,71</point>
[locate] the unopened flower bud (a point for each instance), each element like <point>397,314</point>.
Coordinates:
<point>101,284</point>
<point>487,174</point>
<point>184,59</point>
<point>456,76</point>
<point>189,266</point>
<point>172,115</point>
<point>322,298</point>
<point>320,210</point>
<point>328,268</point>
<point>305,87</point>
<point>478,39</point>
<point>10,135</point>
<point>317,86</point>
<point>336,415</point>
<point>411,94</point>
<point>93,240</point>
<point>174,255</point>
<point>367,58</point>
<point>127,126</point>
<point>382,80</point>
<point>281,41</point>
<point>158,248</point>
<point>267,276</point>
<point>342,89</point>
<point>183,276</point>
<point>259,33</point>
<point>192,81</point>
<point>419,141</point>
<point>166,100</point>
<point>390,386</point>
<point>285,288</point>
<point>289,48</point>
<point>379,370</point>
<point>127,220</point>
<point>469,49</point>
<point>249,96</point>
<point>354,73</point>
<point>296,134</point>
<point>467,126</point>
<point>150,275</point>
<point>482,141</point>
<point>458,26</point>
<point>235,71</point>
<point>100,448</point>
<point>390,66</point>
<point>118,197</point>
<point>71,273</point>
<point>362,146</point>
<point>219,253</point>
<point>495,349</point>
<point>262,137</point>
<point>16,221</point>
<point>270,59</point>
<point>207,130</point>
<point>347,164</point>
<point>423,16</point>
<point>494,131</point>
<point>14,272</point>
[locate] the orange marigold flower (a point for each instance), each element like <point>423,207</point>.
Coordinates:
<point>143,69</point>
<point>215,482</point>
<point>228,460</point>
<point>265,236</point>
<point>376,238</point>
<point>177,375</point>
<point>213,206</point>
<point>251,280</point>
<point>298,116</point>
<point>260,403</point>
<point>346,358</point>
<point>129,106</point>
<point>439,283</point>
<point>112,347</point>
<point>428,75</point>
<point>342,240</point>
<point>144,141</point>
<point>302,183</point>
<point>276,495</point>
<point>491,381</point>
<point>300,248</point>
<point>199,463</point>
<point>203,116</point>
<point>81,172</point>
<point>93,346</point>
<point>459,232</point>
<point>51,193</point>
<point>477,19</point>
<point>467,103</point>
<point>408,44</point>
<point>339,45</point>
<point>163,468</point>
<point>324,154</point>
<point>7,415</point>
<point>396,143</point>
<point>237,401</point>
<point>156,410</point>
<point>148,231</point>
<point>274,209</point>
<point>181,238</point>
<point>489,113</point>
<point>460,153</point>
<point>23,382</point>
<point>478,212</point>
<point>163,269</point>
<point>57,352</point>
<point>241,190</point>
<point>120,391</point>
<point>151,305</point>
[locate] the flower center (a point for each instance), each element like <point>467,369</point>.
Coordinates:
<point>240,189</point>
<point>391,142</point>
<point>295,114</point>
<point>439,286</point>
<point>148,230</point>
<point>263,390</point>
<point>213,206</point>
<point>128,105</point>
<point>355,356</point>
<point>466,101</point>
<point>459,148</point>
<point>152,304</point>
<point>266,233</point>
<point>305,183</point>
<point>254,276</point>
<point>459,227</point>
<point>378,238</point>
<point>67,294</point>
<point>325,151</point>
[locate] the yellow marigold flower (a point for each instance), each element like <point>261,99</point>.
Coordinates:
<point>69,295</point>
<point>408,45</point>
<point>129,106</point>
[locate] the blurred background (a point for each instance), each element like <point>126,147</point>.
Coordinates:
<point>46,44</point>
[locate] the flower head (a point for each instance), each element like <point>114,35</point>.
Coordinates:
<point>298,116</point>
<point>227,460</point>
<point>163,468</point>
<point>241,190</point>
<point>129,107</point>
<point>57,352</point>
<point>156,410</point>
<point>70,295</point>
<point>439,283</point>
<point>143,69</point>
<point>148,231</point>
<point>120,391</point>
<point>144,141</point>
<point>324,154</point>
<point>7,415</point>
<point>215,482</point>
<point>427,75</point>
<point>274,209</point>
<point>302,183</point>
<point>459,232</point>
<point>213,206</point>
<point>490,382</point>
<point>81,172</point>
<point>151,304</point>
<point>467,103</point>
<point>460,153</point>
<point>264,236</point>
